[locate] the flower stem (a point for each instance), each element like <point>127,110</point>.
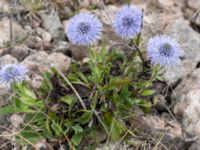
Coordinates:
<point>132,47</point>
<point>140,53</point>
<point>72,87</point>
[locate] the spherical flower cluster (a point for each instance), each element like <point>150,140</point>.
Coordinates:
<point>84,29</point>
<point>12,73</point>
<point>128,21</point>
<point>164,50</point>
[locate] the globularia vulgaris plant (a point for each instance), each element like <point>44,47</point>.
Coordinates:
<point>97,96</point>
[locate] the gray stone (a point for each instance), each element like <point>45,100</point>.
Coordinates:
<point>7,59</point>
<point>195,17</point>
<point>20,52</point>
<point>194,4</point>
<point>44,34</point>
<point>4,6</point>
<point>4,95</point>
<point>59,60</point>
<point>195,145</point>
<point>156,125</point>
<point>37,62</point>
<point>33,42</point>
<point>61,46</point>
<point>84,3</point>
<point>107,14</point>
<point>187,99</point>
<point>168,3</point>
<point>52,23</point>
<point>98,3</point>
<point>16,120</point>
<point>181,3</point>
<point>37,43</point>
<point>40,62</point>
<point>5,31</point>
<point>36,81</point>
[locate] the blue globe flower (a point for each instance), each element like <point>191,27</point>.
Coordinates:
<point>12,73</point>
<point>164,50</point>
<point>128,21</point>
<point>84,29</point>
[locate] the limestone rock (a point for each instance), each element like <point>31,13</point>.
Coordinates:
<point>40,62</point>
<point>187,107</point>
<point>5,31</point>
<point>7,59</point>
<point>194,4</point>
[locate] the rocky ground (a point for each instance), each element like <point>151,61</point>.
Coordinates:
<point>35,37</point>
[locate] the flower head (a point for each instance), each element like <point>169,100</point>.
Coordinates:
<point>12,73</point>
<point>128,21</point>
<point>164,50</point>
<point>84,29</point>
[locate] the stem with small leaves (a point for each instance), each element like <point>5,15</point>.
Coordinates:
<point>72,87</point>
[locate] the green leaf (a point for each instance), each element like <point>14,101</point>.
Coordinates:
<point>34,118</point>
<point>29,93</point>
<point>115,130</point>
<point>85,118</point>
<point>76,139</point>
<point>5,110</point>
<point>77,129</point>
<point>57,128</point>
<point>27,100</point>
<point>27,136</point>
<point>9,109</point>
<point>160,78</point>
<point>47,131</point>
<point>46,85</point>
<point>67,99</point>
<point>82,76</point>
<point>147,92</point>
<point>146,106</point>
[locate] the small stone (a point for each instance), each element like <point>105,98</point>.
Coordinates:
<point>60,61</point>
<point>194,4</point>
<point>84,3</point>
<point>37,62</point>
<point>107,15</point>
<point>16,120</point>
<point>7,59</point>
<point>187,98</point>
<point>195,145</point>
<point>2,51</point>
<point>41,62</point>
<point>78,53</point>
<point>36,81</point>
<point>98,3</point>
<point>7,135</point>
<point>4,6</point>
<point>44,34</point>
<point>35,24</point>
<point>195,18</point>
<point>52,23</point>
<point>61,46</point>
<point>4,95</point>
<point>28,29</point>
<point>168,3</point>
<point>156,125</point>
<point>40,146</point>
<point>5,31</point>
<point>188,13</point>
<point>20,52</point>
<point>34,42</point>
<point>181,3</point>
